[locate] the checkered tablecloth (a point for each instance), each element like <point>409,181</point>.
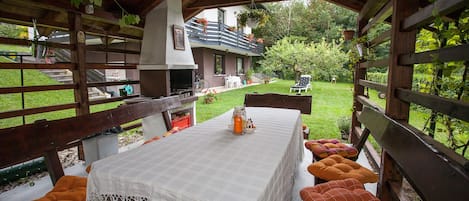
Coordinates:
<point>208,162</point>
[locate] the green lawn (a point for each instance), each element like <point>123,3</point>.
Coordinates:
<point>8,102</point>
<point>329,103</point>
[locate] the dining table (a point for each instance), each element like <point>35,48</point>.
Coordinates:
<point>207,162</point>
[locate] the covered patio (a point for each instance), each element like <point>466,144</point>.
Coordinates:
<point>164,70</point>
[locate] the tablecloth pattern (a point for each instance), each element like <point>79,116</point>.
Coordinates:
<point>208,162</point>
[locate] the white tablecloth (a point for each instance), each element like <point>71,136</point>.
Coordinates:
<point>208,162</point>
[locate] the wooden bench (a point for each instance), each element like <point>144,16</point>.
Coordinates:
<point>302,103</point>
<point>435,171</point>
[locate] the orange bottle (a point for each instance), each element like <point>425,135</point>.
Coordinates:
<point>238,125</point>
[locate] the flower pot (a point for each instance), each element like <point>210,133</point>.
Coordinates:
<point>348,34</point>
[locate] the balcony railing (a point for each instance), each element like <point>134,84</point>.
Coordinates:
<point>218,34</point>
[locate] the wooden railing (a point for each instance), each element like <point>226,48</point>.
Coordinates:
<point>406,151</point>
<point>218,34</point>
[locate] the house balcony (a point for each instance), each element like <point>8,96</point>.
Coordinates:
<point>217,36</point>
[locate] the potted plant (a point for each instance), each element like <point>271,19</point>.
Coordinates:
<point>249,76</point>
<point>344,123</point>
<point>253,18</point>
<point>204,22</point>
<point>357,51</point>
<point>260,41</point>
<point>210,96</point>
<point>250,37</point>
<point>348,34</point>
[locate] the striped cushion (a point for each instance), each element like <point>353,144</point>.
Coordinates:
<point>340,190</point>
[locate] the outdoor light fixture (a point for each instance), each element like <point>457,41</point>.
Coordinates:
<point>89,9</point>
<point>360,49</point>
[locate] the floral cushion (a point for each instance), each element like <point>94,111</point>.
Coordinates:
<point>70,188</point>
<point>336,167</point>
<point>326,147</point>
<point>340,190</point>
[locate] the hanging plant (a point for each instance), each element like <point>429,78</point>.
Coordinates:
<point>253,18</point>
<point>126,19</point>
<point>348,34</point>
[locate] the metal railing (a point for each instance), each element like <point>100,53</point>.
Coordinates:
<point>219,34</point>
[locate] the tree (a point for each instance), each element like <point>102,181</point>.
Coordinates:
<point>11,30</point>
<point>294,56</point>
<point>316,21</point>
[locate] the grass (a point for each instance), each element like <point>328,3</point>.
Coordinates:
<point>9,102</point>
<point>329,103</point>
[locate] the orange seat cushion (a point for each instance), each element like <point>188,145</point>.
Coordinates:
<point>324,148</point>
<point>336,167</point>
<point>70,188</point>
<point>339,190</point>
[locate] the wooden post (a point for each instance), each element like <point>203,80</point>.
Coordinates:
<point>358,90</point>
<point>399,77</point>
<point>54,167</point>
<point>78,58</point>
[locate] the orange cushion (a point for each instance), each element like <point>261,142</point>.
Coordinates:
<point>340,190</point>
<point>70,188</point>
<point>336,167</point>
<point>324,148</point>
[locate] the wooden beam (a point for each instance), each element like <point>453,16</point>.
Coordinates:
<point>354,5</point>
<point>54,167</point>
<point>36,66</point>
<point>102,84</point>
<point>370,9</point>
<point>25,142</point>
<point>358,90</point>
<point>15,18</point>
<point>456,53</point>
<point>302,103</point>
<point>110,66</point>
<point>37,110</point>
<point>383,37</point>
<point>366,101</point>
<point>113,50</point>
<point>114,99</point>
<point>426,15</point>
<point>147,5</point>
<point>407,145</point>
<point>26,42</point>
<point>78,57</point>
<point>398,77</point>
<point>377,63</point>
<point>9,90</point>
<point>223,3</point>
<point>373,85</point>
<point>453,108</point>
<point>382,15</point>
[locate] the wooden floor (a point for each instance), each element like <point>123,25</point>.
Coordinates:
<point>302,179</point>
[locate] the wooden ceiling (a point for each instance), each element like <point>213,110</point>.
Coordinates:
<point>52,15</point>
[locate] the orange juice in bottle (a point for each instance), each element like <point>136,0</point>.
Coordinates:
<point>238,125</point>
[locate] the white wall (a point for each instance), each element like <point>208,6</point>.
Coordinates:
<point>230,16</point>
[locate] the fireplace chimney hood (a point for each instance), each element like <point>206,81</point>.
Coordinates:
<point>158,51</point>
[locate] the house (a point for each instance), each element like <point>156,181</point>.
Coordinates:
<point>221,47</point>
